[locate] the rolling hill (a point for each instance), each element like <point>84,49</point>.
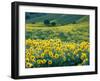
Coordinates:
<point>58,18</point>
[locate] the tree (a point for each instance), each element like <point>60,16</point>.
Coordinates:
<point>33,22</point>
<point>74,22</point>
<point>46,22</point>
<point>53,23</point>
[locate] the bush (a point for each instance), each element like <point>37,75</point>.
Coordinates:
<point>46,22</point>
<point>33,22</point>
<point>74,22</point>
<point>53,23</point>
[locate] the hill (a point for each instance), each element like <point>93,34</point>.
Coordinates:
<point>61,19</point>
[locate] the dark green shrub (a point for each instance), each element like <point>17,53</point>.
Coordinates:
<point>53,23</point>
<point>46,22</point>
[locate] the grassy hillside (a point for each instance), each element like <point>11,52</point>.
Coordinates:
<point>72,32</point>
<point>58,18</point>
<point>83,19</point>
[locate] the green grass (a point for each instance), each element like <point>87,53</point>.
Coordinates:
<point>71,32</point>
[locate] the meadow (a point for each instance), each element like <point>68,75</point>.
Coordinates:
<point>57,45</point>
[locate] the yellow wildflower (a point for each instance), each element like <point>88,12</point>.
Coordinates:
<point>28,65</point>
<point>44,61</point>
<point>27,54</point>
<point>27,59</point>
<point>83,56</point>
<point>32,58</point>
<point>50,54</point>
<point>56,56</point>
<point>42,55</point>
<point>49,61</point>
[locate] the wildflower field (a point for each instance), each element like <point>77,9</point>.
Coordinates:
<point>57,45</point>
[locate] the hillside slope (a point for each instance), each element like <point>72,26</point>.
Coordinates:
<point>58,18</point>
